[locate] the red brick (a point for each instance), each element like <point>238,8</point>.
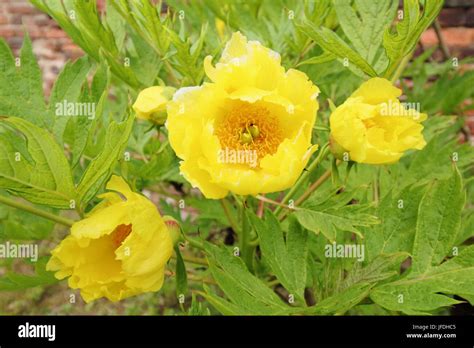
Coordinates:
<point>7,32</point>
<point>24,9</point>
<point>470,18</point>
<point>452,17</point>
<point>3,19</point>
<point>55,33</point>
<point>462,37</point>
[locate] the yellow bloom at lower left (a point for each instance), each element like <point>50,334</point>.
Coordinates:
<point>119,250</point>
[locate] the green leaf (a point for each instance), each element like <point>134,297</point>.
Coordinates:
<point>21,94</point>
<point>247,293</point>
<point>343,301</point>
<point>181,275</point>
<point>41,174</point>
<point>197,308</point>
<point>418,293</point>
<point>439,219</point>
<point>364,23</point>
<point>333,213</point>
<point>358,283</point>
<point>14,281</point>
<point>101,167</point>
<point>286,260</point>
<point>67,88</point>
<point>402,42</point>
<point>322,58</point>
<point>19,225</point>
<point>223,306</point>
<point>332,43</point>
<point>398,216</point>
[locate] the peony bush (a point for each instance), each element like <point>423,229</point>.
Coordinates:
<point>240,158</point>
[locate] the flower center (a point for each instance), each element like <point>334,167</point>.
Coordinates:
<point>120,233</point>
<point>251,128</point>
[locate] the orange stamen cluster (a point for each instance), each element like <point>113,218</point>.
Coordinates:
<point>240,119</point>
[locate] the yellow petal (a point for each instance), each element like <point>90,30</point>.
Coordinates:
<point>377,90</point>
<point>152,100</point>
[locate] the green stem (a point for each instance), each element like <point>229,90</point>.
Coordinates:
<point>321,156</point>
<point>31,209</point>
<point>398,72</point>
<point>228,214</point>
<point>246,249</point>
<point>192,259</point>
<point>195,243</point>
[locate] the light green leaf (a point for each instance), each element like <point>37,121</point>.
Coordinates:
<point>356,286</point>
<point>243,289</point>
<point>41,174</point>
<point>101,167</point>
<point>364,23</point>
<point>439,219</point>
<point>343,301</point>
<point>402,42</point>
<point>396,231</point>
<point>14,281</point>
<point>197,308</point>
<point>322,58</point>
<point>331,42</point>
<point>334,213</point>
<point>287,260</point>
<point>67,88</point>
<point>21,94</point>
<point>19,225</point>
<point>418,293</point>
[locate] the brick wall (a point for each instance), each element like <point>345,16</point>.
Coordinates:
<point>50,44</point>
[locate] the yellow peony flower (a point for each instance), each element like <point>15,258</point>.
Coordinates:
<point>374,127</point>
<point>151,103</point>
<point>119,250</point>
<point>249,130</point>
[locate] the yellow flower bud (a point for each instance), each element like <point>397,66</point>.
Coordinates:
<point>374,127</point>
<point>151,103</point>
<point>119,250</point>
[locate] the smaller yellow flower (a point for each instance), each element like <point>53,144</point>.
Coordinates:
<point>119,250</point>
<point>151,103</point>
<point>374,127</point>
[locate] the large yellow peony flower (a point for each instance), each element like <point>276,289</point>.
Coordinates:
<point>119,250</point>
<point>249,130</point>
<point>374,127</point>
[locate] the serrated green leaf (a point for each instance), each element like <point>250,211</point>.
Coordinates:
<point>439,219</point>
<point>398,216</point>
<point>332,213</point>
<point>364,24</point>
<point>67,88</point>
<point>418,293</point>
<point>21,94</point>
<point>356,286</point>
<point>331,42</point>
<point>243,289</point>
<point>43,176</point>
<point>287,260</point>
<point>19,225</point>
<point>402,42</point>
<point>343,301</point>
<point>15,281</point>
<point>101,167</point>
